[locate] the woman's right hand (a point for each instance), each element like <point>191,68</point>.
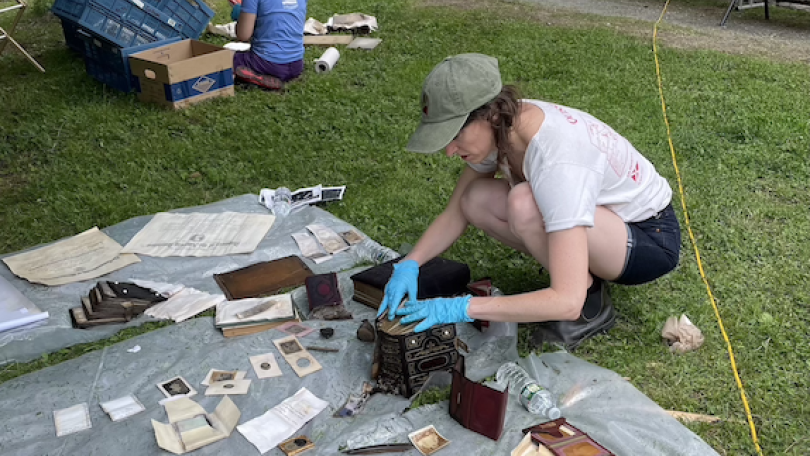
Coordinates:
<point>403,281</point>
<point>235,2</point>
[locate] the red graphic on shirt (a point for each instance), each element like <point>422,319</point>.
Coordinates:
<point>611,144</point>
<point>571,119</point>
<point>635,173</point>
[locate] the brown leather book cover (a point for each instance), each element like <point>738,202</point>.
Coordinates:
<point>563,439</point>
<point>263,279</point>
<point>475,406</point>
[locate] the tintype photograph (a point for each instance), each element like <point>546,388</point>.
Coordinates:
<point>289,347</point>
<point>177,386</point>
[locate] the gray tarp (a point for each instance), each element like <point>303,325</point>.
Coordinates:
<point>594,399</point>
<point>191,272</point>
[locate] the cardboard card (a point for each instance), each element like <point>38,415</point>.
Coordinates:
<point>228,387</point>
<point>265,365</point>
<point>217,375</point>
<point>295,328</point>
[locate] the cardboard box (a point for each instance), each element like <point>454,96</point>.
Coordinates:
<point>183,73</point>
<point>190,427</point>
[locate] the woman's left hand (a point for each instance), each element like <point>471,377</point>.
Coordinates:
<point>437,311</point>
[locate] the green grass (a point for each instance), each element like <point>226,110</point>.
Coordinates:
<point>74,154</point>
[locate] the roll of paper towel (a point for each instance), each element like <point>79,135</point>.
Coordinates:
<point>327,61</point>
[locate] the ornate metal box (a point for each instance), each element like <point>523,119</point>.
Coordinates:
<point>404,359</point>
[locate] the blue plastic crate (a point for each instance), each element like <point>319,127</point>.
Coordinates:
<point>193,15</point>
<point>109,64</point>
<point>72,38</point>
<point>120,21</point>
<point>135,22</point>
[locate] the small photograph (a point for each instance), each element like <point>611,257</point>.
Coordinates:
<point>352,236</point>
<point>332,193</point>
<point>296,445</point>
<point>291,346</point>
<point>295,328</point>
<point>428,440</point>
<point>221,376</point>
<point>199,421</point>
<point>178,386</point>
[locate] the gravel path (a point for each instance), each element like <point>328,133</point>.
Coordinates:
<point>781,38</point>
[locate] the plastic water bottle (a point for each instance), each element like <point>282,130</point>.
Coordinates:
<point>370,250</point>
<point>534,397</point>
<point>282,202</point>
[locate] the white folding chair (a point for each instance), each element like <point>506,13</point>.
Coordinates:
<point>5,36</point>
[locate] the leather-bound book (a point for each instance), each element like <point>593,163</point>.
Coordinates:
<point>438,278</point>
<point>263,279</point>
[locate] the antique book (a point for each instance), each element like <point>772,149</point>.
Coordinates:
<point>475,406</point>
<point>403,359</point>
<point>251,311</point>
<point>438,277</point>
<point>112,302</point>
<point>244,330</point>
<point>263,279</point>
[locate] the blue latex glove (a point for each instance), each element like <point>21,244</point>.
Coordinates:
<point>235,12</point>
<point>403,281</point>
<point>435,312</point>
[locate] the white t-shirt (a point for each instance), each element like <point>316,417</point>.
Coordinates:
<point>576,162</point>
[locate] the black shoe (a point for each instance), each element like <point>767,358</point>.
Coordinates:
<point>597,316</point>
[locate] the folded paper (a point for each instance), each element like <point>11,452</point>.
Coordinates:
<point>681,335</point>
<point>282,421</point>
<point>191,427</point>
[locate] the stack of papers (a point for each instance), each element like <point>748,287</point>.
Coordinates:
<point>17,311</point>
<point>246,316</point>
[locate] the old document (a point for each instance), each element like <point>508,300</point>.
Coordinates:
<point>200,234</point>
<point>82,257</point>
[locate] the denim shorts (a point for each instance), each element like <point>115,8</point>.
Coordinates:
<point>653,248</point>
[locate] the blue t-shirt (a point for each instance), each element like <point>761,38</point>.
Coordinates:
<point>278,36</point>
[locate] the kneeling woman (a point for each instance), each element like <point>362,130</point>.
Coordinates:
<point>275,30</point>
<point>574,194</point>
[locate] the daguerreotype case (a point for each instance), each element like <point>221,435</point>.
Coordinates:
<point>404,359</point>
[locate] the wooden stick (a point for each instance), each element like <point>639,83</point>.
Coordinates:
<point>694,417</point>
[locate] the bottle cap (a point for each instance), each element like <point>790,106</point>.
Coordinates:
<point>554,413</point>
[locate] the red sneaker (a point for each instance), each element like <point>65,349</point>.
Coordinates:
<point>262,80</point>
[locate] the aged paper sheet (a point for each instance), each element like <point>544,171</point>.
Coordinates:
<point>83,257</point>
<point>200,234</point>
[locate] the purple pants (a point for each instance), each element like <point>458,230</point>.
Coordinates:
<point>283,71</point>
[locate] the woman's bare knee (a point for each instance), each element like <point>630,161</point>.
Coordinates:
<point>524,216</point>
<point>482,202</point>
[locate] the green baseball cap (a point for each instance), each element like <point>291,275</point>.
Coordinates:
<point>455,88</point>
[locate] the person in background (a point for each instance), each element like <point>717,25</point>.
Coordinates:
<point>573,194</point>
<point>275,30</point>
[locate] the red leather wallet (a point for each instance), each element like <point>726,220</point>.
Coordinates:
<point>563,439</point>
<point>482,287</point>
<point>323,290</point>
<point>475,406</point>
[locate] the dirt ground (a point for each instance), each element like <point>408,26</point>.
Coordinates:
<point>694,25</point>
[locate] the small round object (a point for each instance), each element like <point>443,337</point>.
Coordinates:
<point>265,366</point>
<point>327,333</point>
<point>300,442</point>
<point>228,385</point>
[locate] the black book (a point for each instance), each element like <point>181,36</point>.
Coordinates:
<point>438,278</point>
